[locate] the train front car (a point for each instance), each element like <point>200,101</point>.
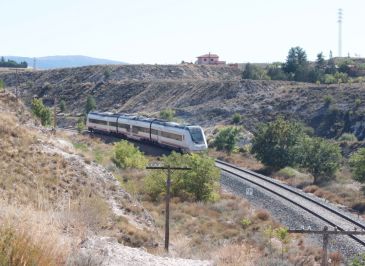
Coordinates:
<point>198,141</point>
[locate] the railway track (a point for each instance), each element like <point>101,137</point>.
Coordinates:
<point>329,214</point>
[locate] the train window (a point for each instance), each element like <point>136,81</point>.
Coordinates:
<point>171,136</point>
<point>124,126</point>
<point>112,124</point>
<point>96,121</point>
<point>154,132</point>
<point>196,135</point>
<point>137,129</point>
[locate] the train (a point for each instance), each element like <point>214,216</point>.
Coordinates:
<point>185,138</point>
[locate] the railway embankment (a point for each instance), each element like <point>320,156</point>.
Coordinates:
<point>294,208</point>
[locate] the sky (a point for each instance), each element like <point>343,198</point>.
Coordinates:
<point>169,31</point>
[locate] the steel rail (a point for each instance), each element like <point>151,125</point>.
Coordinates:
<point>267,179</point>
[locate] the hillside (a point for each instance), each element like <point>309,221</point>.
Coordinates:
<point>59,208</point>
<point>63,61</point>
<point>200,94</point>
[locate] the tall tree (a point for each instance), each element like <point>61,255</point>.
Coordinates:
<point>296,64</point>
<point>320,62</point>
<point>90,104</point>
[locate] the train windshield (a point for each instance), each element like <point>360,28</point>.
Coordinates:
<point>196,134</point>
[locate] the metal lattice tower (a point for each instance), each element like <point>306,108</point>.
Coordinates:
<point>339,32</point>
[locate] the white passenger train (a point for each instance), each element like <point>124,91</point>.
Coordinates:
<point>186,138</point>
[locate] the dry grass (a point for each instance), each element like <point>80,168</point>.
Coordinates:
<point>31,237</point>
<point>236,255</point>
<point>243,160</point>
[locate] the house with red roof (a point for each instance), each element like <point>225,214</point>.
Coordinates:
<point>209,59</point>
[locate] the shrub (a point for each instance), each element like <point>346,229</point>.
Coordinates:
<point>107,73</point>
<point>274,142</point>
<point>199,183</point>
<point>347,137</point>
<point>90,104</point>
<point>2,85</point>
<point>80,124</point>
<point>357,102</point>
<point>328,100</point>
<point>226,139</point>
<point>319,156</point>
<point>287,172</point>
<point>329,79</point>
<point>42,112</point>
<point>357,165</point>
<point>128,156</point>
<point>262,215</point>
<point>167,114</point>
<point>62,106</point>
<point>246,222</point>
<point>236,118</point>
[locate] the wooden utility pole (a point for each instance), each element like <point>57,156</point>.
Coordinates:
<point>168,188</point>
<point>326,233</point>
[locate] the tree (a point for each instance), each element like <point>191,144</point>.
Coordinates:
<point>275,71</point>
<point>167,114</point>
<point>199,183</point>
<point>296,59</point>
<point>254,72</point>
<point>42,112</point>
<point>226,139</point>
<point>62,106</point>
<point>357,165</point>
<point>90,104</point>
<point>319,156</point>
<point>320,62</point>
<point>274,142</point>
<point>127,156</point>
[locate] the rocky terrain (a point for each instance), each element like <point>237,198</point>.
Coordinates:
<point>200,94</point>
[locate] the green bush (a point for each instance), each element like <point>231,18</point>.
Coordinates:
<point>347,137</point>
<point>274,142</point>
<point>90,104</point>
<point>167,114</point>
<point>357,103</point>
<point>80,124</point>
<point>2,85</point>
<point>62,106</point>
<point>287,172</point>
<point>42,112</point>
<point>226,139</point>
<point>357,164</point>
<point>128,156</point>
<point>329,79</point>
<point>319,156</point>
<point>327,100</point>
<point>199,183</point>
<point>236,118</point>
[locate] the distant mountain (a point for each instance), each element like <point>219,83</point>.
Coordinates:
<point>62,61</point>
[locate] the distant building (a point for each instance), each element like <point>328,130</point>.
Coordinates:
<point>209,59</point>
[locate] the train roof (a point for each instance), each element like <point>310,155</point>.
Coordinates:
<point>140,118</point>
